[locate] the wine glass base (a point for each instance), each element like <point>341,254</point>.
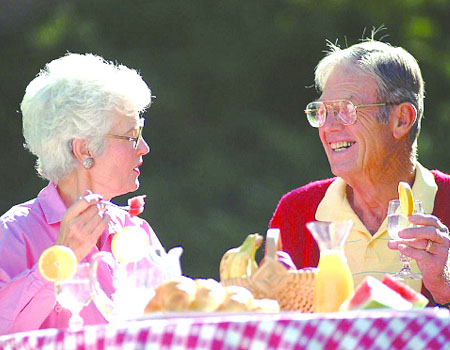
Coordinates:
<point>405,275</point>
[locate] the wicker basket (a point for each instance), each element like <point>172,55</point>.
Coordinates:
<point>293,289</point>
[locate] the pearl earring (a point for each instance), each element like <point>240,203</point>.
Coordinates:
<point>88,163</point>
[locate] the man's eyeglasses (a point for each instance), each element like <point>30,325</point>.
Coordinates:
<point>134,139</point>
<point>344,111</point>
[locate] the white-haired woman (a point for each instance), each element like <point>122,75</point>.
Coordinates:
<point>82,120</point>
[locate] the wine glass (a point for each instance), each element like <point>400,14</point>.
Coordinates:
<point>74,294</point>
<point>397,221</point>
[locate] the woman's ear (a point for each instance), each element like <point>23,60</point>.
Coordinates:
<point>80,149</point>
<point>403,119</point>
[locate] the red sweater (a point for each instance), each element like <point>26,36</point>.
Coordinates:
<point>299,206</point>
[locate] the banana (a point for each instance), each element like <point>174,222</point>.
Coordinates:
<point>240,261</point>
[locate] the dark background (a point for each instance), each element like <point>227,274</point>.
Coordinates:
<point>232,77</point>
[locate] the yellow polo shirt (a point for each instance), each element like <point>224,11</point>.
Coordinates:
<point>369,254</point>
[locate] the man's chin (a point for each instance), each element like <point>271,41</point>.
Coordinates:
<point>342,171</point>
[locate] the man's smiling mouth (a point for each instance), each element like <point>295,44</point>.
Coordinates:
<point>341,146</point>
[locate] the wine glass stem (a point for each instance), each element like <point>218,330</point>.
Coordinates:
<point>405,260</point>
<point>75,321</point>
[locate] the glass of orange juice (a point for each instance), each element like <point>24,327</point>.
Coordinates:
<point>333,283</point>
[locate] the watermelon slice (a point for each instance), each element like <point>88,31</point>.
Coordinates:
<point>416,299</point>
<point>136,205</point>
<point>373,294</point>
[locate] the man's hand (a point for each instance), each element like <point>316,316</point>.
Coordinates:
<point>429,245</point>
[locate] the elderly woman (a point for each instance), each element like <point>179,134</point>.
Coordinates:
<point>368,117</point>
<point>82,120</point>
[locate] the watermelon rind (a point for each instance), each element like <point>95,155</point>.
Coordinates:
<point>373,294</point>
<point>418,300</point>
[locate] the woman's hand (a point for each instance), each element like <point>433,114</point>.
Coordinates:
<point>82,224</point>
<point>429,245</point>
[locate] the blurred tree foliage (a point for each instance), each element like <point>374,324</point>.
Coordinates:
<point>232,77</point>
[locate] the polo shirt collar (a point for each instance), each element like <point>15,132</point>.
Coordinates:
<point>335,206</point>
<point>51,203</point>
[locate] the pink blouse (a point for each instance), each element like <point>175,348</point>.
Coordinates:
<point>27,300</point>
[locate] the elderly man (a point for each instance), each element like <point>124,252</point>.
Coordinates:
<point>368,117</point>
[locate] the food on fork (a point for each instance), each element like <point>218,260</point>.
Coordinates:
<point>136,205</point>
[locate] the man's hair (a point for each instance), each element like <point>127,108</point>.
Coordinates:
<point>395,70</point>
<point>76,96</point>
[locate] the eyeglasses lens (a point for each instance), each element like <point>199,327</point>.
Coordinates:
<point>343,111</point>
<point>346,112</point>
<point>316,114</point>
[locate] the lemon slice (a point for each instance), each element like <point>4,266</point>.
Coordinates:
<point>130,245</point>
<point>406,198</point>
<point>57,263</point>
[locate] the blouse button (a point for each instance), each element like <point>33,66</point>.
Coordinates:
<point>58,308</point>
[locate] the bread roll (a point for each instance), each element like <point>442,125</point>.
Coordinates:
<point>265,305</point>
<point>237,299</point>
<point>209,295</point>
<point>173,295</point>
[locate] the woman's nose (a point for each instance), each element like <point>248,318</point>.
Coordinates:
<point>143,147</point>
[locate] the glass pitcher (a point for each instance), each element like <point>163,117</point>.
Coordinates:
<point>333,283</point>
<point>131,286</point>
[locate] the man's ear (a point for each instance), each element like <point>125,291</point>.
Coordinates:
<point>402,119</point>
<point>80,149</point>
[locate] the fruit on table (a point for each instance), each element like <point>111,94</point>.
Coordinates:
<point>136,205</point>
<point>57,263</point>
<point>406,198</point>
<point>375,294</point>
<point>240,261</point>
<point>130,244</point>
<point>418,300</point>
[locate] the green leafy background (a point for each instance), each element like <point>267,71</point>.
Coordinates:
<point>227,129</point>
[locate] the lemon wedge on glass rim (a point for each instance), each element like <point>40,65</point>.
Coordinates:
<point>130,244</point>
<point>406,198</point>
<point>57,263</point>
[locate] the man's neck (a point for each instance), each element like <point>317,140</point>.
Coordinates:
<point>370,199</point>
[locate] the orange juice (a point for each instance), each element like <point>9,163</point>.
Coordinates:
<point>333,282</point>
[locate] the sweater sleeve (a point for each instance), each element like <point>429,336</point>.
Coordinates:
<point>293,211</point>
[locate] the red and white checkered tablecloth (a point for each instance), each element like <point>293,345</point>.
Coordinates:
<point>423,329</point>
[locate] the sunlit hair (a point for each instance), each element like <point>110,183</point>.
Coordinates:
<point>76,96</point>
<point>396,72</point>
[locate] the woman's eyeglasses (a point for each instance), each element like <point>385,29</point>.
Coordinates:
<point>134,139</point>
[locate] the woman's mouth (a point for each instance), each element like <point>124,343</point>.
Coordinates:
<point>341,146</point>
<point>137,169</point>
